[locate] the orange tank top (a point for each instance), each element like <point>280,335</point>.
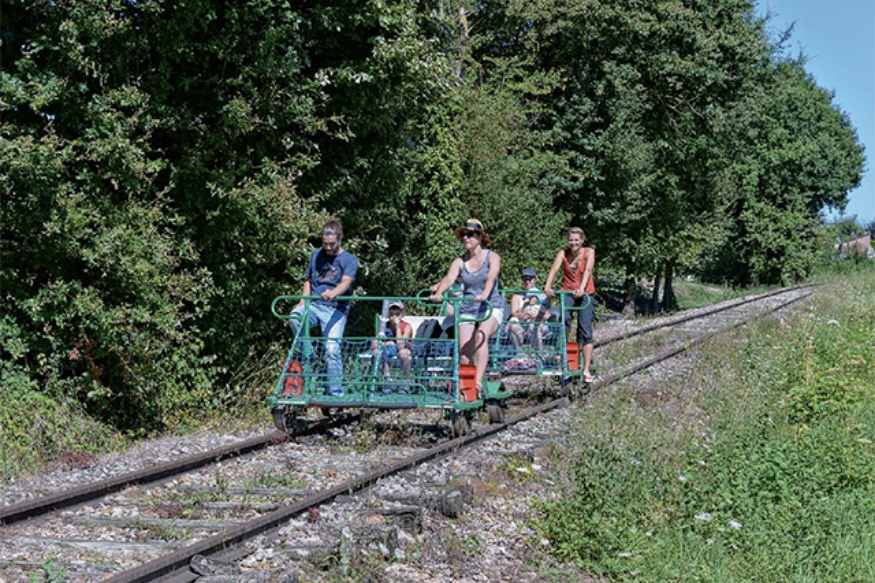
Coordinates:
<point>572,275</point>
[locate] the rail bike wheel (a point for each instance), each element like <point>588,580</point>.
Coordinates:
<point>566,387</point>
<point>459,424</point>
<point>494,412</point>
<point>285,418</point>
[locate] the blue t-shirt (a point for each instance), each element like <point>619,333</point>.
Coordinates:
<point>326,272</point>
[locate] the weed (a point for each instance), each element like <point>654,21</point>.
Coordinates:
<point>49,574</point>
<point>519,469</point>
<point>37,431</point>
<point>772,479</point>
<point>270,480</point>
<point>221,484</point>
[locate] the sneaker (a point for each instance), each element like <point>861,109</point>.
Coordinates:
<point>589,378</point>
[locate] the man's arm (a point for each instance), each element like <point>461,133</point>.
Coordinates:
<point>342,288</point>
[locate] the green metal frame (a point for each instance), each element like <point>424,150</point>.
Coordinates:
<point>371,378</point>
<point>502,353</point>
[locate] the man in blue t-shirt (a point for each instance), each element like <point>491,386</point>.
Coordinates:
<point>330,274</point>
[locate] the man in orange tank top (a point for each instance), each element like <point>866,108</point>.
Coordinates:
<point>576,263</point>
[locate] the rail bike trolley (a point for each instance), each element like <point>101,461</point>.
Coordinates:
<point>538,348</point>
<point>370,374</point>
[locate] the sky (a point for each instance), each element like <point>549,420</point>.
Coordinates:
<point>838,38</point>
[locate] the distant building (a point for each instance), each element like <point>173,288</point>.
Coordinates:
<point>861,244</point>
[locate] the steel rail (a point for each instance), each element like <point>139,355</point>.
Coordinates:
<point>38,506</point>
<point>687,318</point>
<point>181,558</point>
<point>174,566</point>
<point>43,505</point>
<point>610,379</point>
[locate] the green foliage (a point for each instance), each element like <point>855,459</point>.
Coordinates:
<point>646,87</point>
<point>50,574</point>
<point>831,260</point>
<point>36,429</point>
<point>773,487</point>
<point>165,167</point>
<point>792,153</point>
<point>831,363</point>
<point>508,163</point>
<point>692,294</point>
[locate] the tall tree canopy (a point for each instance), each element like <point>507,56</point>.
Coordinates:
<point>165,167</point>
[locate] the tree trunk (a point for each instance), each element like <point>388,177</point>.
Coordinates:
<point>669,300</point>
<point>654,298</point>
<point>629,298</point>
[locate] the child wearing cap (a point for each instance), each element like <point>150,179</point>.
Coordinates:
<point>397,334</point>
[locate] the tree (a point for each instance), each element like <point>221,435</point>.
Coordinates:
<point>792,153</point>
<point>165,166</point>
<point>645,90</point>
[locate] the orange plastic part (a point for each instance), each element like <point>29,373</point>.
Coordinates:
<point>293,382</point>
<point>468,382</point>
<point>573,350</point>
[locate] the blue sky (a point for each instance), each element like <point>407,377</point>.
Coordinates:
<point>838,37</point>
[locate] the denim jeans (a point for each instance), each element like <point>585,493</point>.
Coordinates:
<point>331,322</point>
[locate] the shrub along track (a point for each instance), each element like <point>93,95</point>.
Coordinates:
<point>222,506</point>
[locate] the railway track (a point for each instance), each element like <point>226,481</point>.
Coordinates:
<point>201,518</point>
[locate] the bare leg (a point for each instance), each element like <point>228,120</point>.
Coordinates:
<point>466,343</point>
<point>587,357</point>
<point>516,336</point>
<point>404,355</point>
<point>485,330</point>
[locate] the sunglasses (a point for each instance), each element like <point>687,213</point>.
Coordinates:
<point>466,234</point>
<point>528,278</point>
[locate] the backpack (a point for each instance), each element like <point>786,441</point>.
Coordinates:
<point>430,329</point>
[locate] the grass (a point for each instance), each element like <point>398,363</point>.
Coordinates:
<point>764,473</point>
<point>697,295</point>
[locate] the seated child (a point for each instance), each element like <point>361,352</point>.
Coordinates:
<point>528,311</point>
<point>397,336</point>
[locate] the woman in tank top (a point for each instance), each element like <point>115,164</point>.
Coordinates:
<point>576,263</point>
<point>478,269</point>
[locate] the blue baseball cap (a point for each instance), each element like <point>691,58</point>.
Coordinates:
<point>529,272</point>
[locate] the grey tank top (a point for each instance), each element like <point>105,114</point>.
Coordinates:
<point>474,283</point>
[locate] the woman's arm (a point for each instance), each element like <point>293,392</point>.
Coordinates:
<point>557,265</point>
<point>447,281</point>
<point>516,305</point>
<point>587,270</point>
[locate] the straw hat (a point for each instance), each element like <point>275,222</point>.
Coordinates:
<point>473,225</point>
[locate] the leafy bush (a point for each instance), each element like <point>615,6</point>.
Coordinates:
<point>36,430</point>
